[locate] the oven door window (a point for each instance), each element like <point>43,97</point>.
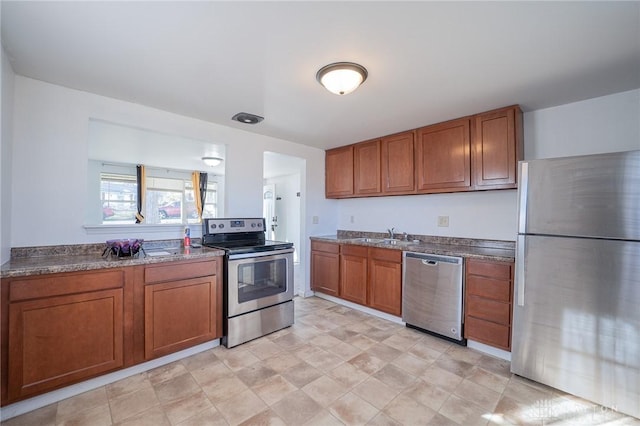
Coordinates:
<point>261,279</point>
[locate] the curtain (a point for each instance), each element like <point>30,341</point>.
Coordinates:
<point>199,181</point>
<point>140,177</point>
<point>203,188</point>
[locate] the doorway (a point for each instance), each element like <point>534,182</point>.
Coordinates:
<point>282,204</point>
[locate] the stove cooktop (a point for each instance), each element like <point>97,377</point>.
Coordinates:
<point>235,247</point>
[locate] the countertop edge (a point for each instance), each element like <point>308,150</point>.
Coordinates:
<point>475,252</point>
<point>11,271</point>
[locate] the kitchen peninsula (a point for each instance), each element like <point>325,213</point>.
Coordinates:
<point>69,314</point>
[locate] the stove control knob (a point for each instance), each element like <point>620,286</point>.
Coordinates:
<point>214,226</point>
<point>259,224</point>
<point>253,225</point>
<point>221,226</point>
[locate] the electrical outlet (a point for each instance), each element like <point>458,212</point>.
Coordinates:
<point>443,221</point>
<point>352,219</point>
<point>315,220</point>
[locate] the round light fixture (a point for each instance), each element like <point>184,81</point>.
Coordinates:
<point>342,78</point>
<point>212,161</point>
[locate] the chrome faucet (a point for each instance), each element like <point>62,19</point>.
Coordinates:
<point>391,232</point>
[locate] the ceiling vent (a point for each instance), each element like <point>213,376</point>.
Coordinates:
<point>246,118</point>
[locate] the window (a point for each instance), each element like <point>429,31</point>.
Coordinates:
<point>169,198</point>
<point>118,198</point>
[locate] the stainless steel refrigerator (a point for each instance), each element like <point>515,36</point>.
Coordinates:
<point>577,287</point>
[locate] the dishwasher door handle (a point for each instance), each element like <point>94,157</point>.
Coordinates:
<point>429,262</point>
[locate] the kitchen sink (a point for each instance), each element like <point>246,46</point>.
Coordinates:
<point>396,242</point>
<point>370,240</point>
<point>389,241</point>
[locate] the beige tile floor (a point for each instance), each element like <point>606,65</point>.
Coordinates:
<point>335,366</point>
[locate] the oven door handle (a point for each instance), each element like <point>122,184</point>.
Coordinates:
<point>259,254</point>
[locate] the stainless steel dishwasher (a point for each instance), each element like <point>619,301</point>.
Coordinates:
<point>432,294</point>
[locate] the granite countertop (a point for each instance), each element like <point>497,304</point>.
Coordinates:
<point>496,250</point>
<point>27,261</point>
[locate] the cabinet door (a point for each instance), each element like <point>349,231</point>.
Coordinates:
<point>497,148</point>
<point>325,271</point>
<point>367,168</point>
<point>488,302</point>
<point>353,274</point>
<point>60,340</point>
<point>398,176</point>
<point>385,280</point>
<point>443,161</point>
<point>339,172</point>
<point>180,314</point>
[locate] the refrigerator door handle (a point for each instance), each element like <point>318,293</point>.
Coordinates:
<point>520,270</point>
<point>523,190</point>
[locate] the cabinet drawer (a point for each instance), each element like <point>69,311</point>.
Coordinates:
<point>389,255</point>
<point>489,310</point>
<point>353,250</point>
<point>487,332</point>
<point>179,271</point>
<point>489,269</point>
<point>325,247</point>
<point>489,288</point>
<point>61,284</point>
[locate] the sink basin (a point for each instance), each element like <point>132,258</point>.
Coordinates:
<point>389,241</point>
<point>370,240</point>
<point>394,242</point>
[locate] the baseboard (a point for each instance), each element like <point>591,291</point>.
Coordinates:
<point>489,350</point>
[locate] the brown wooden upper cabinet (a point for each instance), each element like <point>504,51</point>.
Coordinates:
<point>497,147</point>
<point>398,176</point>
<point>474,153</point>
<point>443,157</point>
<point>366,168</point>
<point>339,172</point>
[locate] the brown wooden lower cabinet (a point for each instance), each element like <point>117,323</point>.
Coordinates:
<point>60,329</point>
<point>180,314</point>
<point>488,302</point>
<point>182,305</point>
<point>325,267</point>
<point>369,276</point>
<point>57,336</point>
<point>385,280</point>
<point>353,273</point>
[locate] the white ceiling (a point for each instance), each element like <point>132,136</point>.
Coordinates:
<point>427,61</point>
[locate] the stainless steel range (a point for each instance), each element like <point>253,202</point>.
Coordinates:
<point>258,278</point>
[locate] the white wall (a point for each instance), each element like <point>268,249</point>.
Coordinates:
<point>50,164</point>
<point>6,127</point>
<point>607,124</point>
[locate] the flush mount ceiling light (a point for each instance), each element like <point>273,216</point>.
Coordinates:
<point>342,78</point>
<point>212,161</point>
<point>246,118</point>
